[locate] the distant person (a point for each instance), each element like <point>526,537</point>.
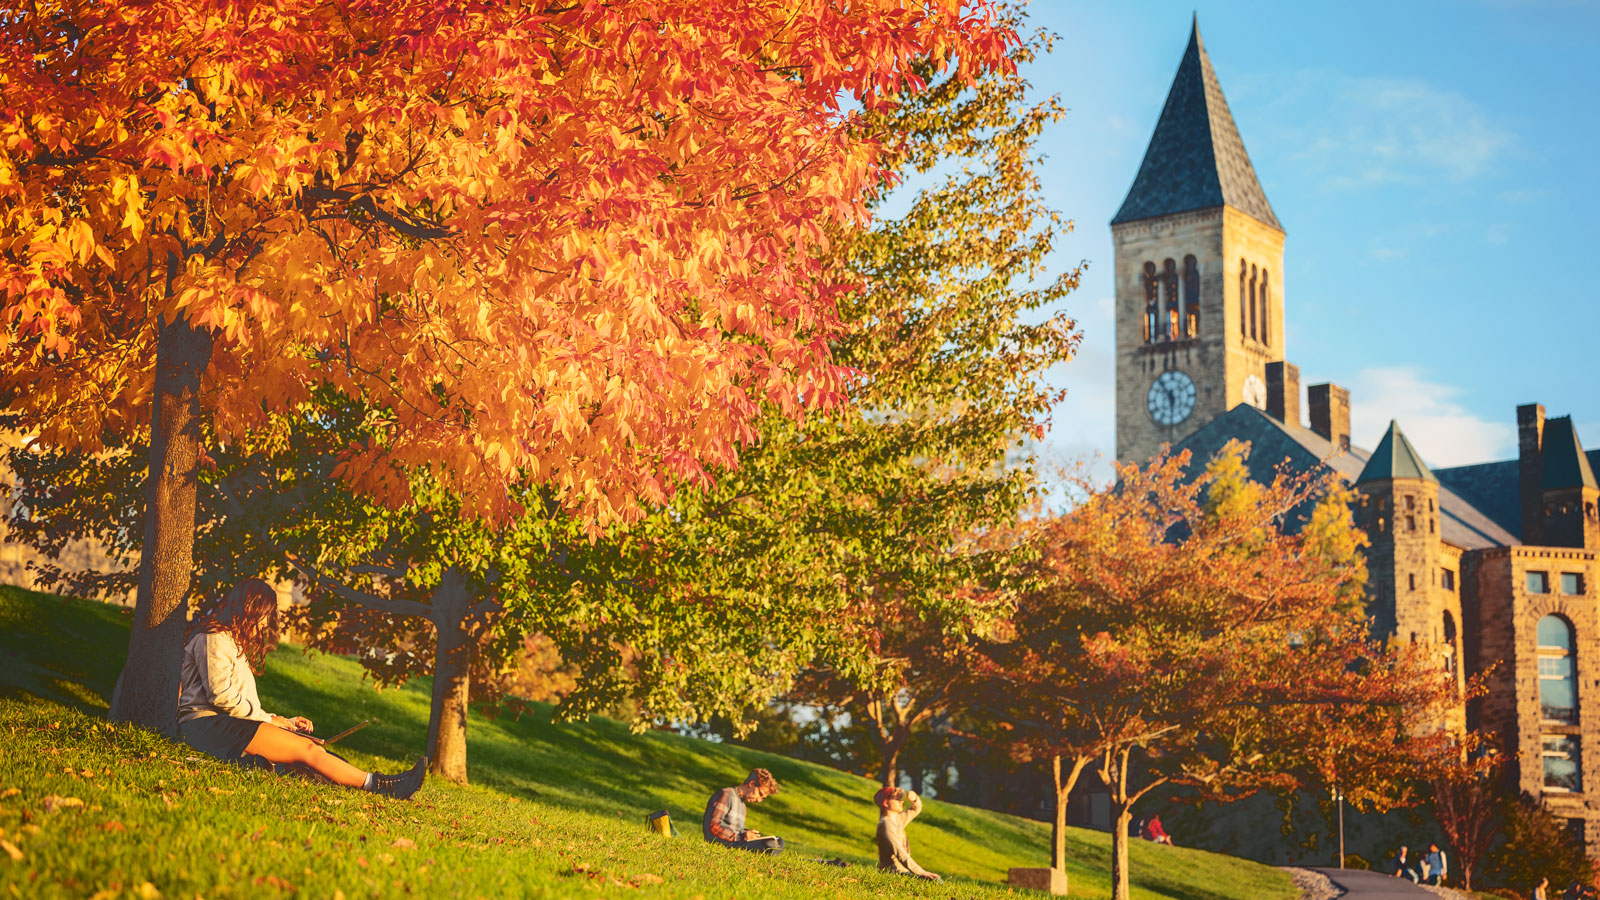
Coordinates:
<point>1403,867</point>
<point>1539,890</point>
<point>1154,832</point>
<point>896,809</point>
<point>220,715</point>
<point>724,819</point>
<point>1434,866</point>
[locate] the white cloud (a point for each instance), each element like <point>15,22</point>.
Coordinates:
<point>1362,131</point>
<point>1431,414</point>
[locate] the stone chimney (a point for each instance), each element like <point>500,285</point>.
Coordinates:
<point>1530,470</point>
<point>1283,392</point>
<point>1330,413</point>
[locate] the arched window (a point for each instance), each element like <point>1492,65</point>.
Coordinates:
<point>1558,672</point>
<point>1263,294</point>
<point>1449,643</point>
<point>1169,288</point>
<point>1244,298</point>
<point>1152,299</point>
<point>1253,332</point>
<point>1191,297</point>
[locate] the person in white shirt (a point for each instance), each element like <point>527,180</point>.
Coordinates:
<point>896,809</point>
<point>220,714</point>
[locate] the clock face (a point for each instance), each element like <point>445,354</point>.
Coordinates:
<point>1255,392</point>
<point>1171,398</point>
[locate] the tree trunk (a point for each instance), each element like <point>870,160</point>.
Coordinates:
<point>1121,814</point>
<point>452,681</point>
<point>890,743</point>
<point>1058,830</point>
<point>148,689</point>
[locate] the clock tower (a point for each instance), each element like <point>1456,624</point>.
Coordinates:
<point>1199,272</point>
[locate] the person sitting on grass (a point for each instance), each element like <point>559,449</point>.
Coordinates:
<point>220,715</point>
<point>896,808</point>
<point>1154,832</point>
<point>724,819</point>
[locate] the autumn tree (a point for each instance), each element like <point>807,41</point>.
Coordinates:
<point>1172,619</point>
<point>1467,792</point>
<point>581,245</point>
<point>900,494</point>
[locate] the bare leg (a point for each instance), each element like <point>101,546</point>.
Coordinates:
<point>276,745</point>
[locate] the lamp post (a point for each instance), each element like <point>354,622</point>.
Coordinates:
<point>1338,799</point>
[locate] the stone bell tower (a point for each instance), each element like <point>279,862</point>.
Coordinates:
<point>1199,272</point>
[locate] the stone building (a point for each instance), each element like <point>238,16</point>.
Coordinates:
<point>1493,565</point>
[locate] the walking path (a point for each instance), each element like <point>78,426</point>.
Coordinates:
<point>1362,885</point>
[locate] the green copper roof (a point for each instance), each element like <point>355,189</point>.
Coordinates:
<point>1565,464</point>
<point>1395,458</point>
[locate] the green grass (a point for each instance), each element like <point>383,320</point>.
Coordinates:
<point>553,811</point>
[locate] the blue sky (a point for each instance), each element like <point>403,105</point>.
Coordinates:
<point>1435,166</point>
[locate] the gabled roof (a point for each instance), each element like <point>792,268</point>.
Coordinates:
<point>1493,488</point>
<point>1274,443</point>
<point>1196,159</point>
<point>1565,466</point>
<point>1395,458</point>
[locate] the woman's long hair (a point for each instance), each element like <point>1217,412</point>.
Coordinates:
<point>248,614</point>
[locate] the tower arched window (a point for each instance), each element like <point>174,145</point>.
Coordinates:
<point>1264,295</point>
<point>1152,300</point>
<point>1191,297</point>
<point>1244,299</point>
<point>1558,672</point>
<point>1172,310</point>
<point>1253,332</point>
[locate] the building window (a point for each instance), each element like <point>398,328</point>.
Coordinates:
<point>1411,502</point>
<point>1152,301</point>
<point>1411,523</point>
<point>1412,580</point>
<point>1558,675</point>
<point>1448,579</point>
<point>1244,299</point>
<point>1571,582</point>
<point>1262,294</point>
<point>1169,290</point>
<point>1538,582</point>
<point>1449,643</point>
<point>1253,332</point>
<point>1563,761</point>
<point>1191,297</point>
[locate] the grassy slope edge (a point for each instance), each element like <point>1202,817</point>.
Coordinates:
<point>554,811</point>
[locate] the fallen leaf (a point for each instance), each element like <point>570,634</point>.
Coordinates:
<point>53,803</point>
<point>258,834</point>
<point>649,878</point>
<point>385,858</point>
<point>10,792</point>
<point>146,891</point>
<point>113,825</point>
<point>217,790</point>
<point>11,850</point>
<point>404,843</point>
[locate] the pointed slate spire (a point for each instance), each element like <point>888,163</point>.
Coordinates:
<point>1395,458</point>
<point>1565,463</point>
<point>1196,159</point>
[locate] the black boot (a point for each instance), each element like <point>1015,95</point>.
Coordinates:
<point>403,785</point>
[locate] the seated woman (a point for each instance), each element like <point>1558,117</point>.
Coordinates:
<point>219,713</point>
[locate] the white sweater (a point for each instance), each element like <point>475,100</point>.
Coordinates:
<point>217,680</point>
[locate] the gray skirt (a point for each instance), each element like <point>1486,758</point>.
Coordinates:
<point>224,737</point>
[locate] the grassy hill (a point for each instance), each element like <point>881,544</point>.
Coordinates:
<point>88,810</point>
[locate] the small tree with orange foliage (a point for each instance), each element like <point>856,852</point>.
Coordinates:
<point>1176,623</point>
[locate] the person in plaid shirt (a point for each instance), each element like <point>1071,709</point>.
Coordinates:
<point>724,819</point>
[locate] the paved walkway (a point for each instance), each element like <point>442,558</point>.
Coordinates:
<point>1361,885</point>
